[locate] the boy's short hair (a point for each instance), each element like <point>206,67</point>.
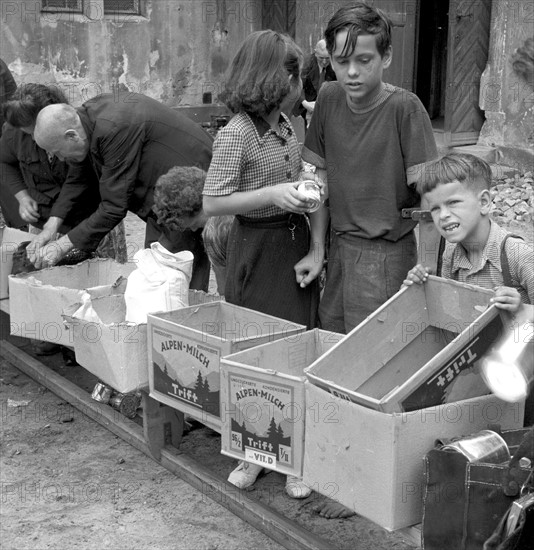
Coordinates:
<point>468,169</point>
<point>359,19</point>
<point>257,79</point>
<point>178,195</point>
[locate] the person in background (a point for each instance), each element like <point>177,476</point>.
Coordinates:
<point>178,206</point>
<point>32,176</point>
<point>130,140</point>
<point>317,70</point>
<point>178,202</point>
<point>8,203</point>
<point>272,264</point>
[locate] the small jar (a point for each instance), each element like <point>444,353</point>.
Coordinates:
<point>313,194</point>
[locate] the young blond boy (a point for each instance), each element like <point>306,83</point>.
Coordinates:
<point>455,188</point>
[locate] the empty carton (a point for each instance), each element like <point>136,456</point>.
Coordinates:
<point>419,349</point>
<point>37,299</point>
<point>109,347</point>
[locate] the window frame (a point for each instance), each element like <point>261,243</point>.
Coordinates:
<point>95,10</point>
<point>58,9</point>
<point>134,11</point>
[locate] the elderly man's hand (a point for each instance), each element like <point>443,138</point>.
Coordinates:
<point>43,253</point>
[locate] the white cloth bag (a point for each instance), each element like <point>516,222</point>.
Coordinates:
<point>159,283</point>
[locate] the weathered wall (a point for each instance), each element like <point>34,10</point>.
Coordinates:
<point>507,98</point>
<point>177,53</point>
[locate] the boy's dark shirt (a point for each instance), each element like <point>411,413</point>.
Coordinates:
<point>366,155</point>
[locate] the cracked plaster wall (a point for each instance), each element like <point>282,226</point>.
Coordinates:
<point>175,54</point>
<point>507,98</point>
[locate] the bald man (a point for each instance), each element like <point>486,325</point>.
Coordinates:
<point>317,70</point>
<point>130,140</point>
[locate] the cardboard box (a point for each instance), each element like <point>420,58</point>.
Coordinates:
<point>419,349</point>
<point>372,462</point>
<point>186,346</point>
<point>111,348</point>
<point>10,240</point>
<point>262,400</point>
<point>37,299</point>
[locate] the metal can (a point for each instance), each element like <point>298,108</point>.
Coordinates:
<point>484,446</point>
<point>126,403</point>
<point>101,393</point>
<point>313,194</point>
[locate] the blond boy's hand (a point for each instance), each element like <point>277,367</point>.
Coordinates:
<point>419,274</point>
<point>507,298</point>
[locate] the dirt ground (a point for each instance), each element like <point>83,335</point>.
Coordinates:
<point>66,482</point>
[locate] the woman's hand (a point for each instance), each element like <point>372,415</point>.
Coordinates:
<point>29,209</point>
<point>287,197</point>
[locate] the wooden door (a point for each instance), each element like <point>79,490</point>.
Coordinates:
<point>468,44</point>
<point>403,17</point>
<point>280,15</point>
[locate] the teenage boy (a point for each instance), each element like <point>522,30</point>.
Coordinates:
<point>455,189</point>
<point>365,139</point>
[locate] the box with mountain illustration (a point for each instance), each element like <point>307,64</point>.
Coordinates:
<point>185,350</point>
<point>262,390</point>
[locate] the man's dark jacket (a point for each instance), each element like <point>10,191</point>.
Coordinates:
<point>310,83</point>
<point>133,140</point>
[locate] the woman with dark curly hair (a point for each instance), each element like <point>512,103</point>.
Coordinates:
<point>272,264</point>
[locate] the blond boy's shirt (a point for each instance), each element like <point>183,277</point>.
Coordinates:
<point>489,272</point>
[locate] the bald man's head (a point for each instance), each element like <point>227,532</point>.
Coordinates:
<point>321,54</point>
<point>59,131</point>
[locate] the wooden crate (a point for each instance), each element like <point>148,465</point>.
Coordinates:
<point>37,299</point>
<point>419,349</point>
<point>372,462</point>
<point>111,348</point>
<point>262,400</point>
<point>186,346</point>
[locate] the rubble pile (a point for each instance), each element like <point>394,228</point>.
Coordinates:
<point>513,199</point>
